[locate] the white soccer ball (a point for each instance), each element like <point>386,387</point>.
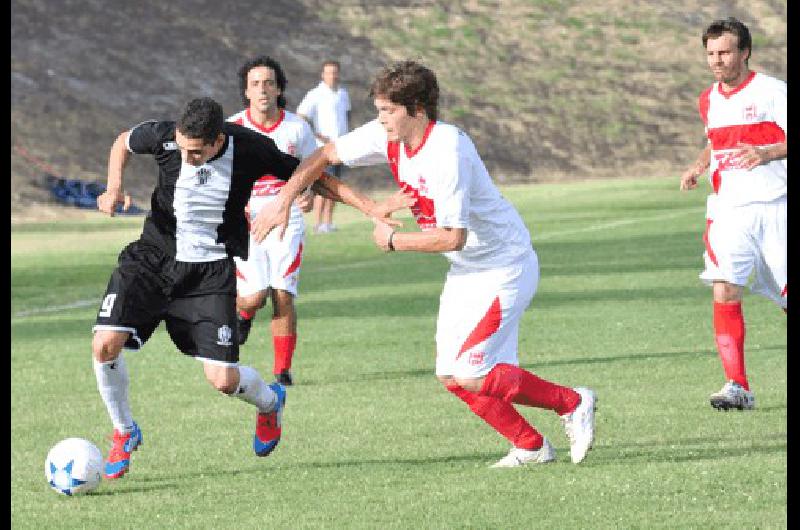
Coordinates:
<point>73,466</point>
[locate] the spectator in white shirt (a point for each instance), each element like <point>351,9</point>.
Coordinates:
<point>327,108</point>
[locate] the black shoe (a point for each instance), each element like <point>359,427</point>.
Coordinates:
<point>244,328</point>
<point>284,378</point>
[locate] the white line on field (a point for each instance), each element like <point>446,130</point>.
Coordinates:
<point>369,263</point>
<point>56,308</point>
<point>615,224</point>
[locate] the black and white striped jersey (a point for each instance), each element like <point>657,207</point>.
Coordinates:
<point>197,213</point>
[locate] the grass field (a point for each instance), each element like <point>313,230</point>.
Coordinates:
<point>370,438</point>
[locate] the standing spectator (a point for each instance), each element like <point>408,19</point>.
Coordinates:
<point>327,108</point>
<point>744,113</point>
<point>273,266</point>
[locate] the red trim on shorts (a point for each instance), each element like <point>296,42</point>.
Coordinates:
<point>783,292</point>
<point>487,327</point>
<point>711,254</point>
<point>296,263</point>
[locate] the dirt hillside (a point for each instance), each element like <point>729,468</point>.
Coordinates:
<point>547,89</point>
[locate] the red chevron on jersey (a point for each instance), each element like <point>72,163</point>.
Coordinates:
<point>423,209</point>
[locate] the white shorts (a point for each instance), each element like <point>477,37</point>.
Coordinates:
<point>745,241</point>
<point>273,263</point>
<point>479,315</point>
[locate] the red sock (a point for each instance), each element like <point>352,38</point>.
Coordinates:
<point>729,334</point>
<point>502,417</point>
<point>245,315</point>
<point>284,350</point>
<point>513,384</point>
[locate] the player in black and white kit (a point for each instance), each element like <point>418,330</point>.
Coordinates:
<point>181,269</point>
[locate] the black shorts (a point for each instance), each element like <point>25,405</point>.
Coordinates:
<point>197,301</point>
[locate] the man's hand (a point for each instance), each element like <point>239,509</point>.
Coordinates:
<point>273,214</point>
<point>689,177</point>
<point>751,156</point>
<point>305,201</point>
<point>108,200</point>
<point>381,234</point>
<point>397,201</point>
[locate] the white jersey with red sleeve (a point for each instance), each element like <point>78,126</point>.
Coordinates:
<point>754,113</point>
<point>292,135</point>
<point>452,187</point>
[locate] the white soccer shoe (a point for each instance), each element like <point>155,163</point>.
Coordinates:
<point>519,457</point>
<point>733,396</point>
<point>579,425</point>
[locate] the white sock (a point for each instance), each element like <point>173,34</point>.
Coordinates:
<point>255,391</point>
<point>112,382</point>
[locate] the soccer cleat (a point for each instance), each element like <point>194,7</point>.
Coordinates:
<point>119,457</point>
<point>519,457</point>
<point>268,424</point>
<point>733,396</point>
<point>244,325</point>
<point>579,425</point>
<point>284,378</point>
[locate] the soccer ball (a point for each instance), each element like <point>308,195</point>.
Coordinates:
<point>73,466</point>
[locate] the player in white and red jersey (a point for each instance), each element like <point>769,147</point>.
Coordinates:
<point>494,269</point>
<point>273,266</point>
<point>744,113</point>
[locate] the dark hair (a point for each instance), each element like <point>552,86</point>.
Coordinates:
<point>730,25</point>
<point>201,118</point>
<point>332,62</point>
<point>410,84</point>
<point>269,62</point>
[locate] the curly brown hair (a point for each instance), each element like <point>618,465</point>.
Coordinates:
<point>410,84</point>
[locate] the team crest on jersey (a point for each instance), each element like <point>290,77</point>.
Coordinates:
<point>291,149</point>
<point>750,112</point>
<point>476,358</point>
<point>224,336</point>
<point>203,174</point>
<point>423,185</point>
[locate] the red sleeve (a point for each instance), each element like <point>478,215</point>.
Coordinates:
<point>702,104</point>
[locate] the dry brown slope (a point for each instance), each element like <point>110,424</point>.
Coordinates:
<point>547,88</point>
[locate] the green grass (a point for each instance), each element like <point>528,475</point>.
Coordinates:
<point>370,439</point>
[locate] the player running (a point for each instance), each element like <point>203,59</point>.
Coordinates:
<point>494,269</point>
<point>181,269</point>
<point>744,113</point>
<point>273,266</point>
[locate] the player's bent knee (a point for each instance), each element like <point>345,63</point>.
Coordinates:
<point>224,379</point>
<point>107,345</point>
<point>252,302</point>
